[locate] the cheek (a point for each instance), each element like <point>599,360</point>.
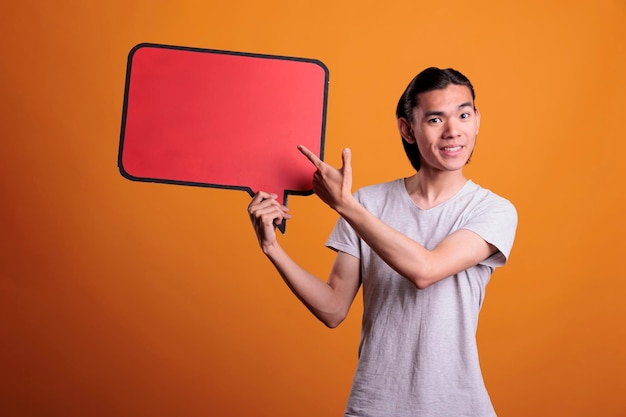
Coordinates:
<point>472,131</point>
<point>471,145</point>
<point>424,145</point>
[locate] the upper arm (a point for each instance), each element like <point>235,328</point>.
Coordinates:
<point>459,251</point>
<point>345,280</point>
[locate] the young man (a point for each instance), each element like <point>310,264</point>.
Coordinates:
<point>423,247</point>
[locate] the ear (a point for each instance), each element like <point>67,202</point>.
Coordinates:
<point>404,126</point>
<point>477,120</point>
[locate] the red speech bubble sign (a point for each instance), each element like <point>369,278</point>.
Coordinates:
<point>222,119</point>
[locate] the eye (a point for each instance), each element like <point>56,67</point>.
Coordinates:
<point>465,116</point>
<point>434,120</point>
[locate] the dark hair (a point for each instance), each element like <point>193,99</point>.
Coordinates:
<point>428,80</point>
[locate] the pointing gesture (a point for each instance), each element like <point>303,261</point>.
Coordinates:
<point>333,186</point>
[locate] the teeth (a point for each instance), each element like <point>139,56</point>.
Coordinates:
<point>452,149</point>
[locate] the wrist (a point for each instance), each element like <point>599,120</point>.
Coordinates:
<point>347,206</point>
<point>269,248</point>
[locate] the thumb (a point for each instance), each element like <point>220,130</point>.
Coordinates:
<point>346,157</point>
<point>346,169</point>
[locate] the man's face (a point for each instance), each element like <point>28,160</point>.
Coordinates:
<point>445,125</point>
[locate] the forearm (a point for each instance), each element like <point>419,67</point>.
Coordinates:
<point>460,250</point>
<point>404,255</point>
<point>318,296</point>
<point>329,302</point>
<point>401,253</point>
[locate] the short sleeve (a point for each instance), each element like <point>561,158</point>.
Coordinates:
<point>496,223</point>
<point>343,238</point>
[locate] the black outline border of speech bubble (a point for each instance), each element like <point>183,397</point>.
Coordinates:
<point>125,174</point>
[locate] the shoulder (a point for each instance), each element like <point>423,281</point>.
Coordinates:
<point>381,189</point>
<point>382,195</point>
<point>483,199</point>
<point>492,217</point>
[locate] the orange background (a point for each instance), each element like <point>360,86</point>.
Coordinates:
<point>128,299</point>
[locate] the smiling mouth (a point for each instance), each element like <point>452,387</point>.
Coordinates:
<point>451,148</point>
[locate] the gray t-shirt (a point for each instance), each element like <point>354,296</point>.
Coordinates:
<point>418,355</point>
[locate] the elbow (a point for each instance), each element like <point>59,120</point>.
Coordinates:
<point>332,324</point>
<point>423,279</point>
<point>332,321</point>
<point>422,283</point>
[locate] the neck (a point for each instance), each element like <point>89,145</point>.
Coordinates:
<point>428,189</point>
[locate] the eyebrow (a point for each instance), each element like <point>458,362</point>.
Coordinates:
<point>440,113</point>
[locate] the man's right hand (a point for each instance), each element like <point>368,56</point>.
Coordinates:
<point>265,213</point>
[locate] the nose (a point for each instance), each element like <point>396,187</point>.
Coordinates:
<point>451,130</point>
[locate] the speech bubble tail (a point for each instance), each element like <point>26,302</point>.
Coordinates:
<point>282,226</point>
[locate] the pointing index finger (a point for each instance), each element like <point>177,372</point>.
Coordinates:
<point>310,155</point>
